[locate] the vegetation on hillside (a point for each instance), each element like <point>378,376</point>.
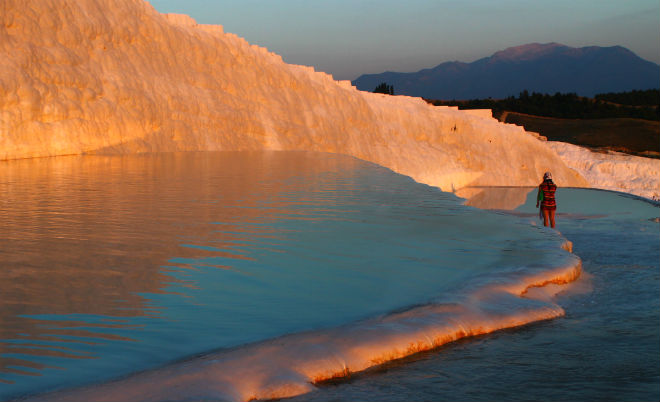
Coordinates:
<point>634,104</point>
<point>384,88</point>
<point>632,136</point>
<point>626,122</point>
<point>649,97</point>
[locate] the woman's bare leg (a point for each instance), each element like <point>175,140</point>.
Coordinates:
<point>552,218</point>
<point>546,214</point>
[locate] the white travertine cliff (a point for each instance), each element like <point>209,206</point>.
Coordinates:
<point>613,171</point>
<point>116,76</point>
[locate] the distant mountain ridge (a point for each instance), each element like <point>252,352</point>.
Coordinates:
<point>536,67</point>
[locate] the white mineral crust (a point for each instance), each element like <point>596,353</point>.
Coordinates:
<point>116,76</point>
<point>614,170</point>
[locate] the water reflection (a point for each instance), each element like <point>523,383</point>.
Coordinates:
<point>88,239</point>
<point>116,264</point>
<point>572,203</point>
<point>506,198</point>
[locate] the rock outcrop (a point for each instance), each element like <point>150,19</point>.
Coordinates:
<point>116,76</point>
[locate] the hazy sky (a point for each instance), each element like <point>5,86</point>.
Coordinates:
<point>348,38</point>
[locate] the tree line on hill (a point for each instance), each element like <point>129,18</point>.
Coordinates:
<point>633,104</point>
<point>384,88</point>
<point>649,97</point>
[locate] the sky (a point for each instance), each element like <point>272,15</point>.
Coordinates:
<point>347,38</point>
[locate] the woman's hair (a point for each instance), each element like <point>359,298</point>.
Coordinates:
<point>547,176</point>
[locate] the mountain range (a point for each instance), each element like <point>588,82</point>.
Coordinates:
<point>544,68</point>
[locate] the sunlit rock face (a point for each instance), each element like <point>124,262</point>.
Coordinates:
<point>115,76</point>
<point>613,171</point>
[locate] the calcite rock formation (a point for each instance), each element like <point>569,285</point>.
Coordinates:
<point>116,76</point>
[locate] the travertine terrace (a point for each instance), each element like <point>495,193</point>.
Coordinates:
<point>116,76</point>
<point>613,171</point>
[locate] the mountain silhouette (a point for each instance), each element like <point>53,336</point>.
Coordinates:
<point>545,68</point>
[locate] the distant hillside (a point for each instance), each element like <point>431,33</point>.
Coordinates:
<point>634,105</point>
<point>544,68</point>
<point>632,136</point>
<point>646,98</point>
<point>625,121</point>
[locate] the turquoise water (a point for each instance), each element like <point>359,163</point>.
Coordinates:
<point>115,265</point>
<point>606,348</point>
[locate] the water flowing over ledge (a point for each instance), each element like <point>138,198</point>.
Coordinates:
<point>284,269</point>
<point>289,365</point>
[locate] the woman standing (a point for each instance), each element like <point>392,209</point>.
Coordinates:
<point>546,196</point>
